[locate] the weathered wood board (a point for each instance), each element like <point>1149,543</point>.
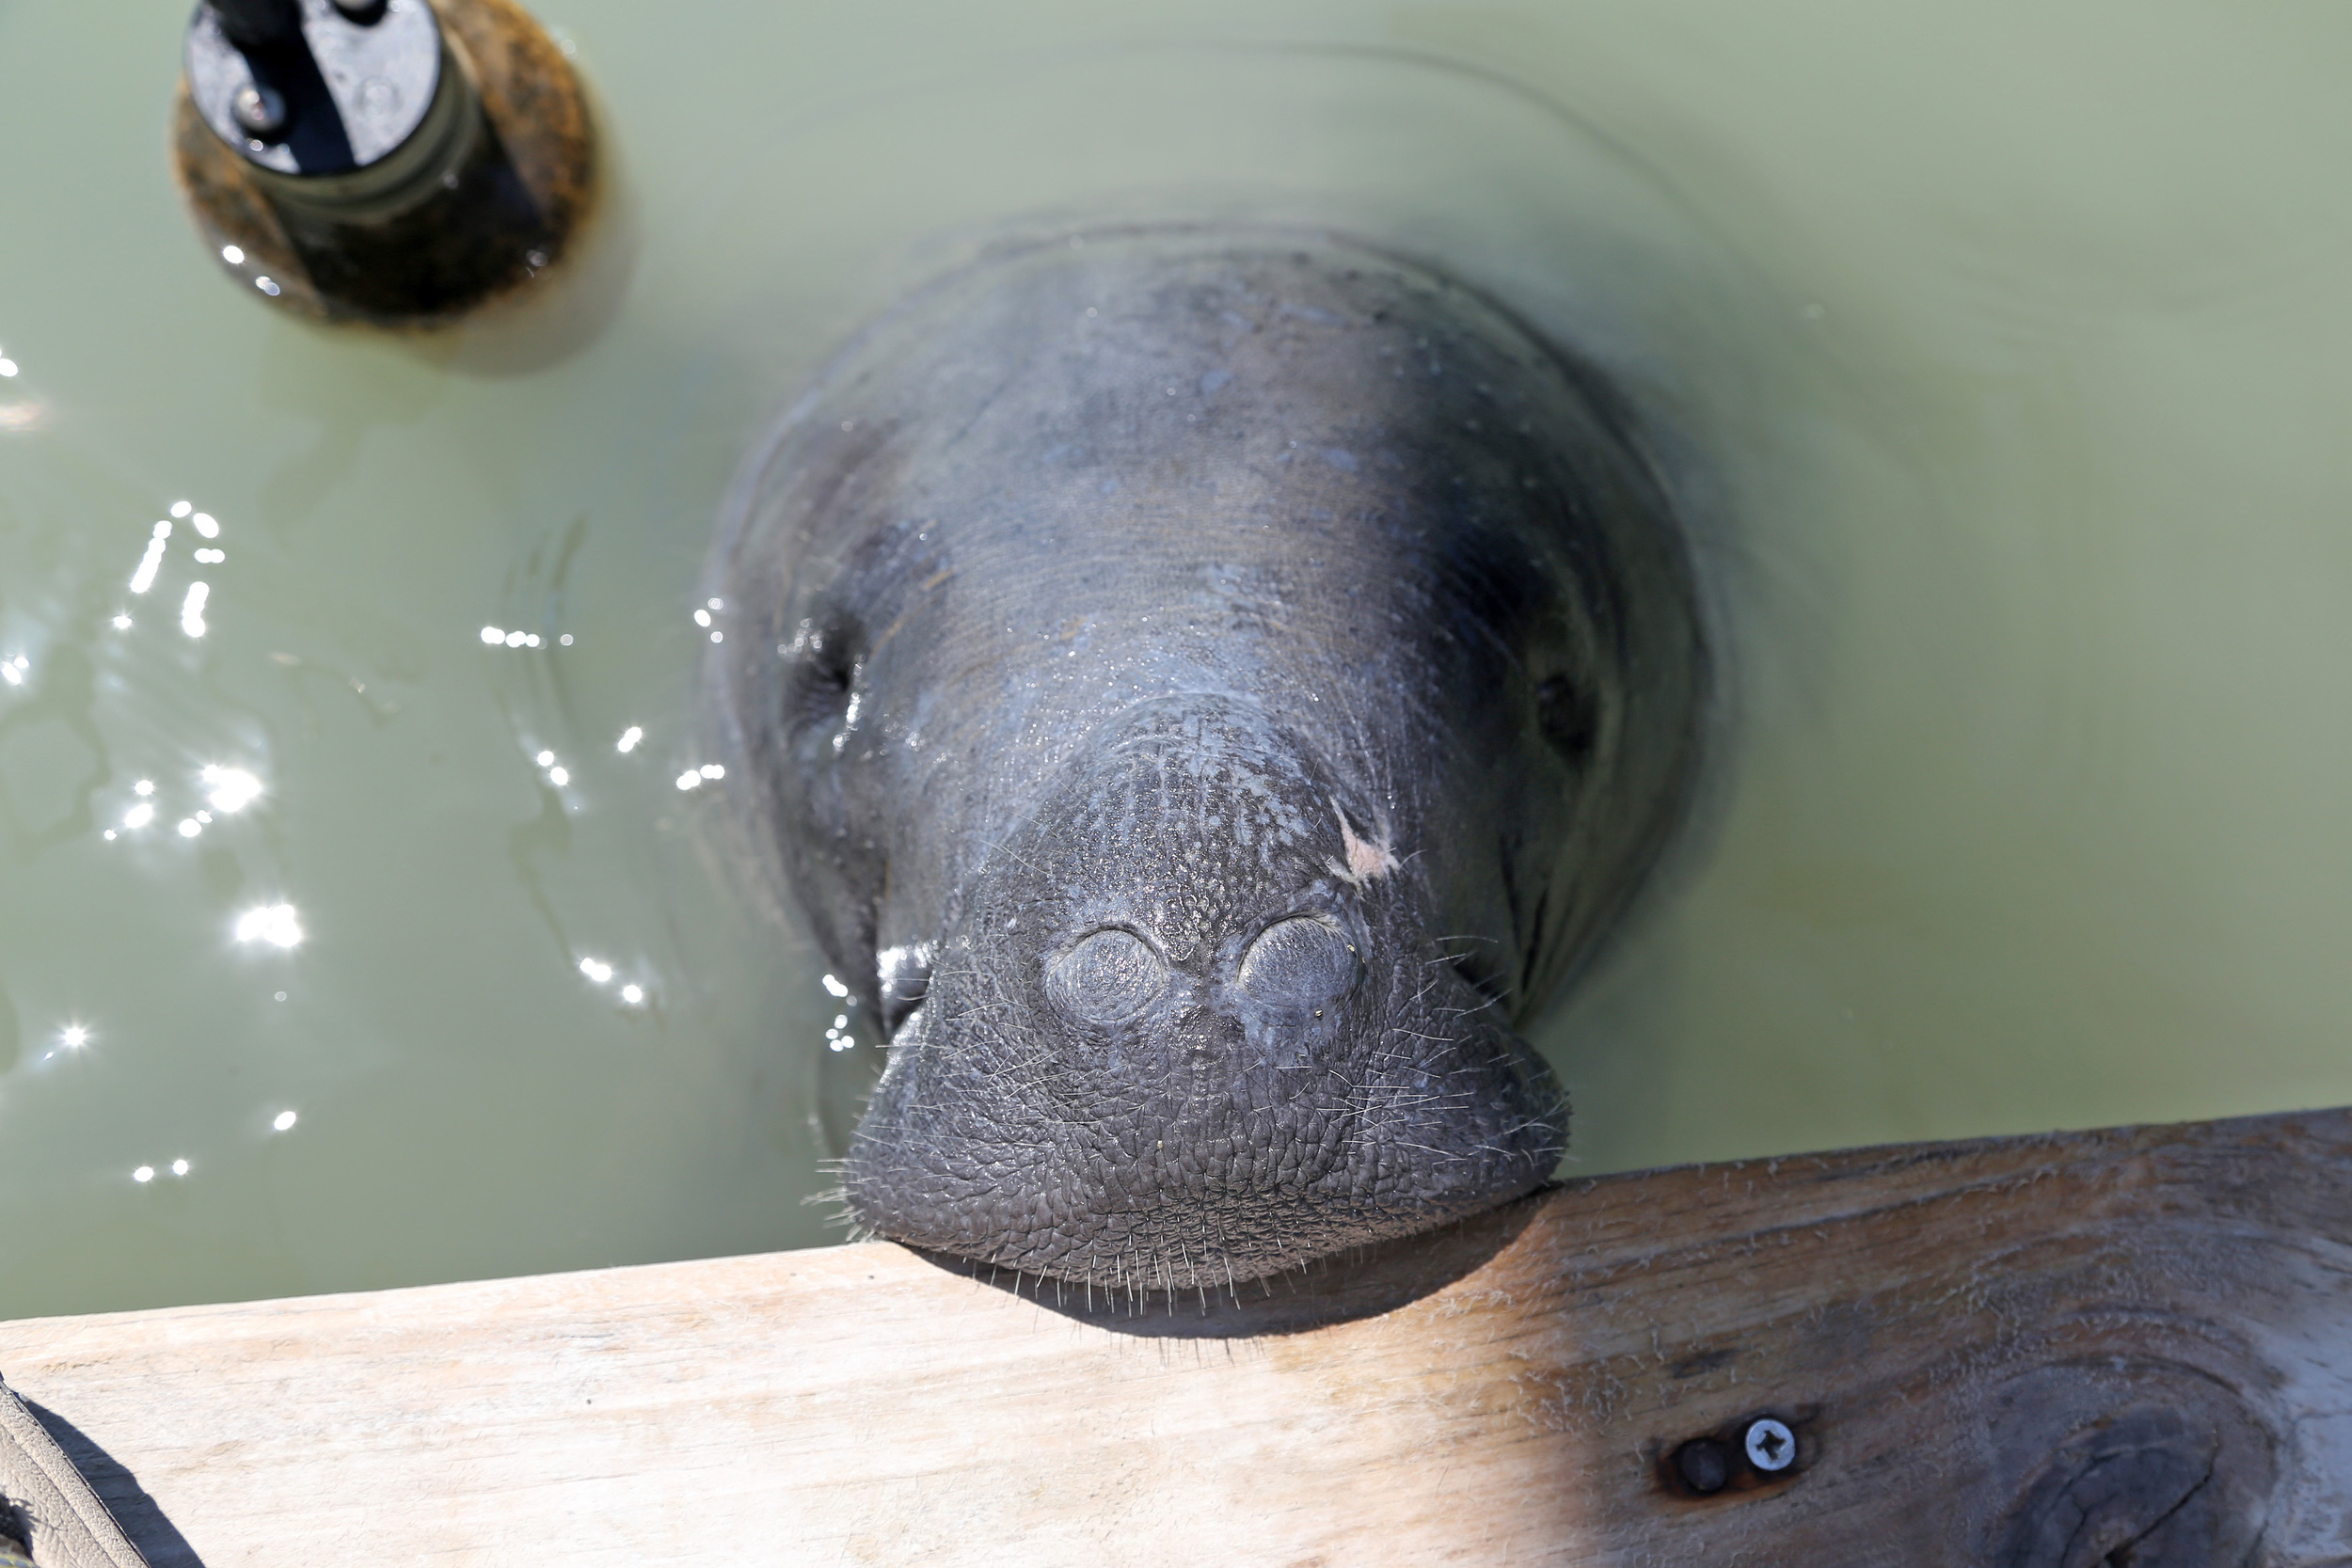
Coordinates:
<point>2115,1347</point>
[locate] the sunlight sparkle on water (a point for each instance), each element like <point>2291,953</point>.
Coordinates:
<point>179,1167</point>
<point>284,1121</point>
<point>145,1173</point>
<point>274,923</point>
<point>629,738</point>
<point>205,525</point>
<point>192,609</point>
<point>144,578</point>
<point>596,971</point>
<point>494,637</point>
<point>632,994</point>
<point>190,827</point>
<point>181,509</point>
<point>140,814</point>
<point>545,759</point>
<point>230,789</point>
<point>74,1036</point>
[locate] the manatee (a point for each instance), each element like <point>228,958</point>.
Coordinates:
<point>1207,688</point>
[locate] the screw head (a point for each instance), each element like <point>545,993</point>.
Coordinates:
<point>1704,1465</point>
<point>259,109</point>
<point>1772,1446</point>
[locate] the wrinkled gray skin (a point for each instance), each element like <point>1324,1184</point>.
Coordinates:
<point>1206,688</point>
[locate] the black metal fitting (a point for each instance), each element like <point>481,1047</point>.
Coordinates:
<point>330,110</point>
<point>381,160</point>
<point>258,24</point>
<point>1751,1454</point>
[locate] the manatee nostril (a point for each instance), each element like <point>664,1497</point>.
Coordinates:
<point>1301,962</point>
<point>1109,976</point>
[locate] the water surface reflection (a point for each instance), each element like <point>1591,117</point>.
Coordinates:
<point>361,879</point>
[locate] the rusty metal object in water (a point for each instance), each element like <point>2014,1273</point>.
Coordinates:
<point>489,188</point>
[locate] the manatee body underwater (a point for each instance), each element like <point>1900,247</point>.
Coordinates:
<point>1207,690</point>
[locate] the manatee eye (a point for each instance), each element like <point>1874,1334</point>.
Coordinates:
<point>1569,717</point>
<point>1109,977</point>
<point>823,668</point>
<point>904,976</point>
<point>1300,962</point>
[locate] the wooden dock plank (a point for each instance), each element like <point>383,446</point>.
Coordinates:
<point>1970,1341</point>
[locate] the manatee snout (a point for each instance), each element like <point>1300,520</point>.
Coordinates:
<point>1207,690</point>
<point>1190,1029</point>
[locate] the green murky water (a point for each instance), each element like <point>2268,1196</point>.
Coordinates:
<point>2012,351</point>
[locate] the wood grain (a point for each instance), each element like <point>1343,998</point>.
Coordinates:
<point>2131,1346</point>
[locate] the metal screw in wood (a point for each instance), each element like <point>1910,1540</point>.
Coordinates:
<point>1772,1446</point>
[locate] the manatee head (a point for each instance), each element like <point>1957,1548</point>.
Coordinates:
<point>1185,1025</point>
<point>1204,689</point>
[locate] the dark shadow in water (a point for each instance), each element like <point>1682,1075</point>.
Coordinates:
<point>141,1518</point>
<point>1362,1283</point>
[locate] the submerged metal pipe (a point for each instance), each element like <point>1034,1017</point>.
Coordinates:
<point>381,160</point>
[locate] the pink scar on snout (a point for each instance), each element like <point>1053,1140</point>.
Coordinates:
<point>1365,860</point>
